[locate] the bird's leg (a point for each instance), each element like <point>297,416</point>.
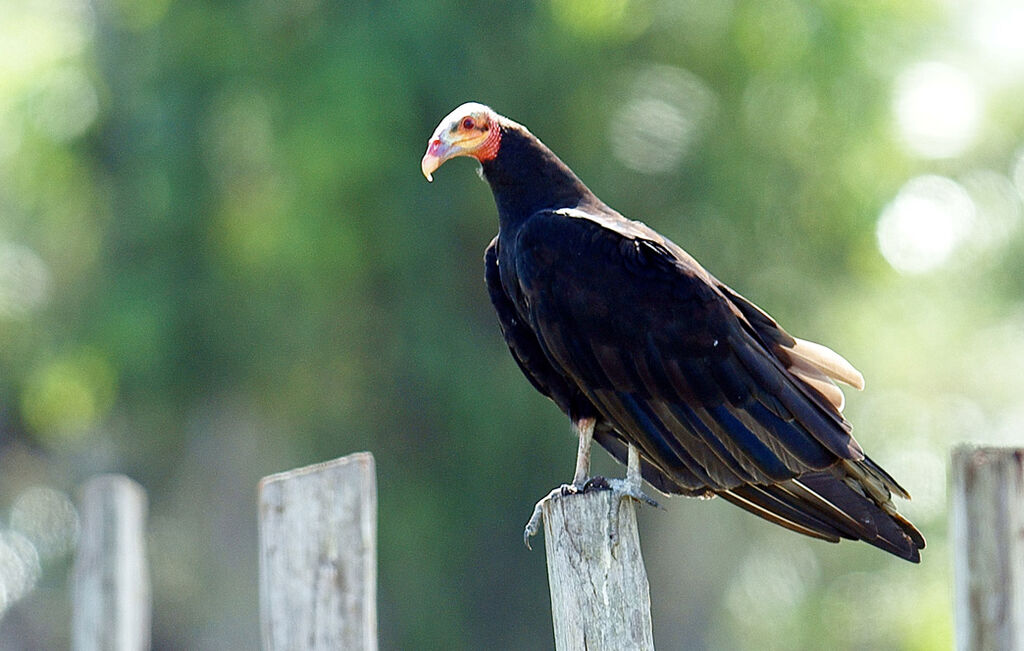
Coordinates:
<point>633,479</point>
<point>630,487</point>
<point>585,430</point>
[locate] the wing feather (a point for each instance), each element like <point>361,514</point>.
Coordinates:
<point>715,395</point>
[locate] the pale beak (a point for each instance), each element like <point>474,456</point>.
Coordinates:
<point>437,153</point>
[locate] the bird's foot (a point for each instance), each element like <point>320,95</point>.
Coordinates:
<point>575,488</point>
<point>623,489</point>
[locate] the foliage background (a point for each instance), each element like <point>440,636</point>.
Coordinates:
<point>218,260</point>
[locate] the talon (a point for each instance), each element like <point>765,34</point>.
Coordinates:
<point>529,532</point>
<point>533,526</point>
<point>624,489</point>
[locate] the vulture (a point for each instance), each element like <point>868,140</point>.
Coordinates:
<point>696,389</point>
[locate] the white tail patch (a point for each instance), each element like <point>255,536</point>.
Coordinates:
<point>828,362</point>
<point>820,367</point>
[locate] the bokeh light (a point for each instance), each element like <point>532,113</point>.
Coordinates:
<point>36,35</point>
<point>998,210</point>
<point>48,519</point>
<point>1017,172</point>
<point>24,281</point>
<point>19,567</point>
<point>65,104</point>
<point>996,27</point>
<point>67,396</point>
<point>593,19</point>
<point>922,227</point>
<point>664,114</point>
<point>938,109</point>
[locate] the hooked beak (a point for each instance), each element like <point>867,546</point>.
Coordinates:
<point>437,153</point>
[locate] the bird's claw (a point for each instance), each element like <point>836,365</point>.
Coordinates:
<point>533,526</point>
<point>624,489</point>
<point>621,489</point>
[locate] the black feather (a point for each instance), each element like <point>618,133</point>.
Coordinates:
<point>612,321</point>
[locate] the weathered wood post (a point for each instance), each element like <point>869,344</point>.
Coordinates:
<point>988,548</point>
<point>599,593</point>
<point>318,556</point>
<point>110,580</point>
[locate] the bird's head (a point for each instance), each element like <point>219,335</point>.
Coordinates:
<point>470,130</point>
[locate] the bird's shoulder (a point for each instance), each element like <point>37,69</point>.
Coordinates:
<point>599,258</point>
<point>573,227</point>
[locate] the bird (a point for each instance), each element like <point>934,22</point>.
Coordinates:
<point>694,388</point>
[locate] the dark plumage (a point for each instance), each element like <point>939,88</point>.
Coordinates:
<point>615,323</point>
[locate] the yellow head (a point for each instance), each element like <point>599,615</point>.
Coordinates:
<point>470,130</point>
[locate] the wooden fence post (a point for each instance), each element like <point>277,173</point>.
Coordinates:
<point>110,580</point>
<point>318,556</point>
<point>988,548</point>
<point>599,593</point>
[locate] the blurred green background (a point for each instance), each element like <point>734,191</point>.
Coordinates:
<point>219,259</point>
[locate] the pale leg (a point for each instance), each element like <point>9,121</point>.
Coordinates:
<point>585,430</point>
<point>630,487</point>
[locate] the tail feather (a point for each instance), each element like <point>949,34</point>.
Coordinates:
<point>832,504</point>
<point>896,536</point>
<point>764,502</point>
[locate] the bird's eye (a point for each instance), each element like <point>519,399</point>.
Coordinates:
<point>468,123</point>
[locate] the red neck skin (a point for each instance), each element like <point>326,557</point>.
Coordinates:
<point>489,148</point>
